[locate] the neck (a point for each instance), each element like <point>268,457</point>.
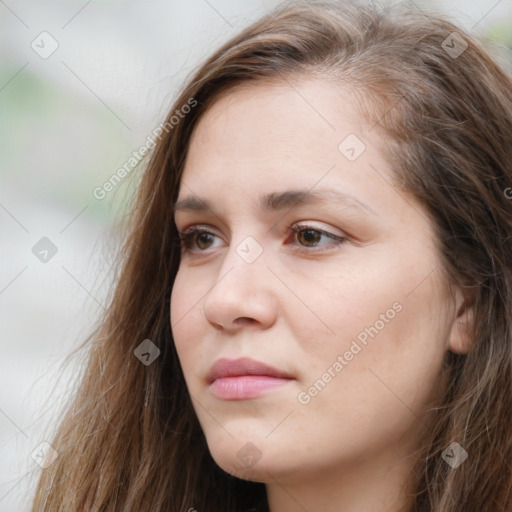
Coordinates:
<point>380,484</point>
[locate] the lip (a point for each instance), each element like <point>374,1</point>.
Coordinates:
<point>242,378</point>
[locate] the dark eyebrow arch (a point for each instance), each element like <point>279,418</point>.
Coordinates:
<point>277,201</point>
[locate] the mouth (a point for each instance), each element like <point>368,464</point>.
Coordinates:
<point>243,378</point>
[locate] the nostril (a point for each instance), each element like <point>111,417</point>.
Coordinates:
<point>244,320</point>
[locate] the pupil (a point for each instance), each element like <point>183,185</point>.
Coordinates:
<point>203,237</point>
<point>310,235</point>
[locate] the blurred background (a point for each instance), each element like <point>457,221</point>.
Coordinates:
<point>82,86</point>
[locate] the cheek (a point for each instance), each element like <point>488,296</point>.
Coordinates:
<point>379,334</point>
<point>179,305</point>
<point>382,384</point>
<point>185,312</point>
<point>186,299</point>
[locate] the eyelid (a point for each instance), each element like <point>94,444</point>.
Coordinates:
<point>185,235</point>
<point>300,224</point>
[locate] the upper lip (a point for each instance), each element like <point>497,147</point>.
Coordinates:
<point>243,366</point>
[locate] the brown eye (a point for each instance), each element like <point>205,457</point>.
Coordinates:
<point>203,240</point>
<point>196,239</point>
<point>199,240</point>
<point>309,237</point>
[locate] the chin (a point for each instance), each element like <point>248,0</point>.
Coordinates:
<point>249,460</point>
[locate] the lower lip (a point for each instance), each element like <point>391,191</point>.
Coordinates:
<point>244,386</point>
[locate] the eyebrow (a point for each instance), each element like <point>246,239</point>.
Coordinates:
<point>277,201</point>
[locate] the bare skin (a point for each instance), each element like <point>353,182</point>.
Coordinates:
<point>307,297</point>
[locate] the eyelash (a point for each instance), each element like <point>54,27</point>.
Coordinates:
<point>186,238</point>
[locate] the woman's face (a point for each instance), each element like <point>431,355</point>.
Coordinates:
<point>350,307</point>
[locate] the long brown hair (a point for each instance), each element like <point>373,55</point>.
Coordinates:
<point>130,440</point>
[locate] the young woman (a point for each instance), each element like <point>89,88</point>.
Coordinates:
<point>314,309</point>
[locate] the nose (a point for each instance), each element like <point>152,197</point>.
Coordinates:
<point>243,294</point>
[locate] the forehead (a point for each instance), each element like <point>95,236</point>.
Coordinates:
<point>286,127</point>
<point>307,135</point>
<point>295,115</point>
